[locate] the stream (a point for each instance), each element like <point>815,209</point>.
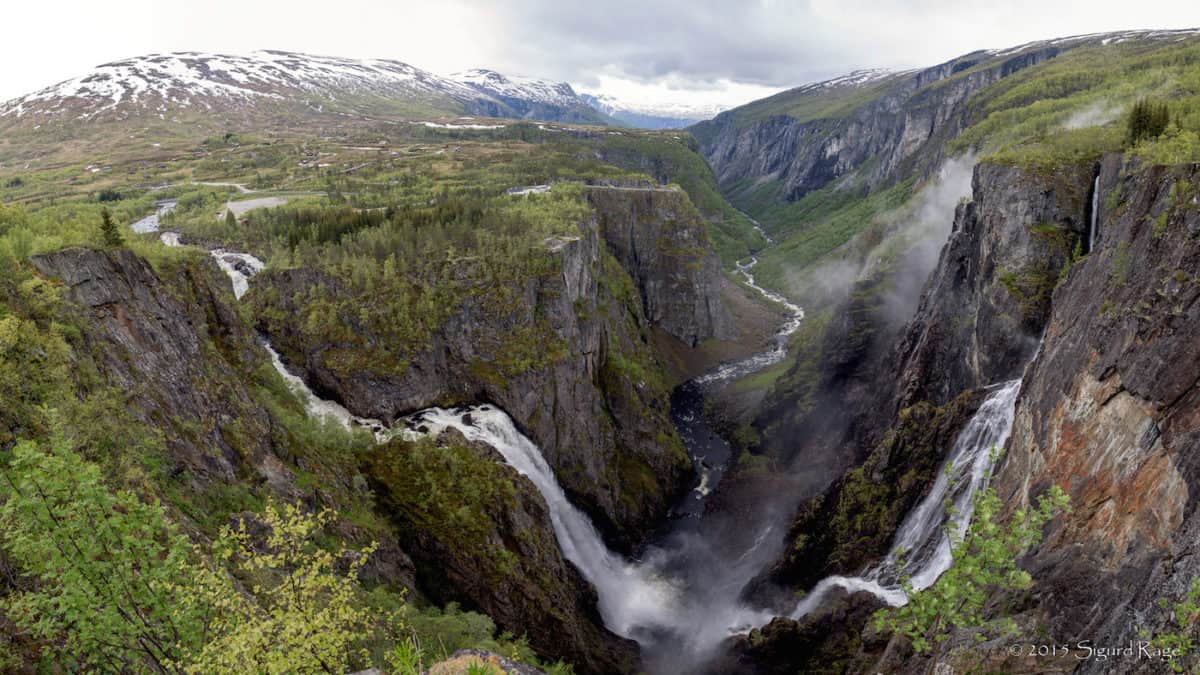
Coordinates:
<point>682,598</point>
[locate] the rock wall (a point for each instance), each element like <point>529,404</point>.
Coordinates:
<point>901,130</point>
<point>660,240</point>
<point>190,364</point>
<point>596,399</point>
<point>984,306</point>
<point>978,323</point>
<point>1110,411</point>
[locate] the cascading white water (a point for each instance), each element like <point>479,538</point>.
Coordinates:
<point>239,267</point>
<point>631,596</point>
<point>318,407</point>
<point>1095,214</point>
<point>921,549</point>
<point>779,343</point>
<point>151,222</point>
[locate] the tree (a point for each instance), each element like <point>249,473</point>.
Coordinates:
<point>985,563</point>
<point>106,565</point>
<point>121,589</point>
<point>1147,119</point>
<point>231,220</point>
<point>307,618</point>
<point>109,230</point>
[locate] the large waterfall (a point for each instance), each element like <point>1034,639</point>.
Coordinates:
<point>921,550</point>
<point>694,606</point>
<point>631,595</point>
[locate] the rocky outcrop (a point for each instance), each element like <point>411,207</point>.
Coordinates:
<point>660,239</point>
<point>172,350</point>
<point>566,354</point>
<point>491,547</point>
<point>468,661</point>
<point>984,307</point>
<point>900,128</point>
<point>187,365</point>
<point>1109,413</point>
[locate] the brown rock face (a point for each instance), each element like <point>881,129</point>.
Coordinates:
<point>661,241</point>
<point>160,348</point>
<point>986,302</point>
<point>1111,412</point>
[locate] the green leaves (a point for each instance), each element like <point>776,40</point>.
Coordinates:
<point>985,563</point>
<point>121,589</point>
<point>1184,614</point>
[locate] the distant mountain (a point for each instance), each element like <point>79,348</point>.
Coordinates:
<point>534,98</point>
<point>645,116</point>
<point>275,82</point>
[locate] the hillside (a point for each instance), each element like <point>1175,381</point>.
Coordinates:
<point>312,364</point>
<point>964,240</point>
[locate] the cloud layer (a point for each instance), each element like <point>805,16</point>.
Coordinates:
<point>679,48</point>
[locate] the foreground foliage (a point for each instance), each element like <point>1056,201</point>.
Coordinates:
<point>118,587</point>
<point>985,563</point>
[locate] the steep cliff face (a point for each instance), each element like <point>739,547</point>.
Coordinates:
<point>191,370</point>
<point>984,306</point>
<point>977,324</point>
<point>194,371</point>
<point>881,126</point>
<point>660,240</point>
<point>173,356</point>
<point>566,353</point>
<point>1109,413</point>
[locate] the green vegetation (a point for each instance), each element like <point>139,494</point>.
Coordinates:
<point>120,589</point>
<point>809,103</point>
<point>109,230</point>
<point>1179,642</point>
<point>1147,121</point>
<point>1068,110</point>
<point>985,563</point>
<point>810,229</point>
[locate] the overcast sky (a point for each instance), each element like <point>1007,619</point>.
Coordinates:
<point>714,51</point>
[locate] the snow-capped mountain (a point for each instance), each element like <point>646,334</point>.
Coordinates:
<point>532,97</point>
<point>163,82</point>
<point>518,87</point>
<point>168,84</point>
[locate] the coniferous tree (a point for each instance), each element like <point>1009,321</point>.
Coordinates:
<point>1147,119</point>
<point>109,230</point>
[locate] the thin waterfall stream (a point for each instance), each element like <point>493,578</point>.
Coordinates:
<point>1094,215</point>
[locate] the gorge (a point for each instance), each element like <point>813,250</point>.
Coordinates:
<point>555,395</point>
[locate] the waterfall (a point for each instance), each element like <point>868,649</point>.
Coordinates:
<point>239,267</point>
<point>1095,214</point>
<point>151,222</point>
<point>631,595</point>
<point>925,538</point>
<point>779,343</point>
